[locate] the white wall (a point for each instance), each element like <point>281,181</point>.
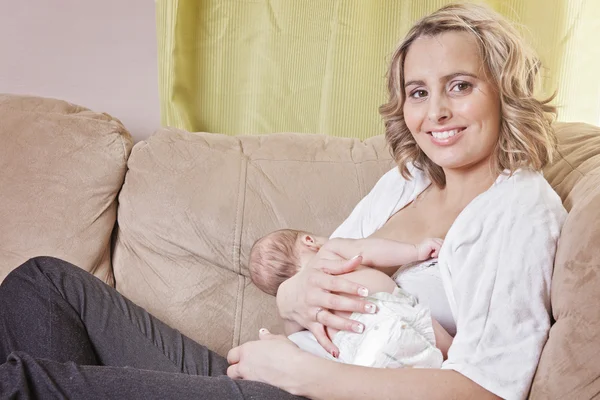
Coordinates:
<point>100,54</point>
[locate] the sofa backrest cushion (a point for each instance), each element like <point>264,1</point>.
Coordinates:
<point>193,204</point>
<point>569,366</point>
<point>62,167</point>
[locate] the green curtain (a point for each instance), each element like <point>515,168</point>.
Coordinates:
<point>318,66</point>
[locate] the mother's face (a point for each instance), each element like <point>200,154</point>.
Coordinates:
<point>451,107</point>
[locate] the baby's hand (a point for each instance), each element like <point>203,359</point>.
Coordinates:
<point>428,248</point>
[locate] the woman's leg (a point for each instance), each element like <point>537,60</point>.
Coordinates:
<point>24,377</point>
<point>54,310</point>
<point>64,333</point>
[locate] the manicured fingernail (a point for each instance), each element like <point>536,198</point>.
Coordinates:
<point>334,353</point>
<point>370,308</point>
<point>363,291</point>
<point>262,330</point>
<point>358,328</point>
<point>355,257</point>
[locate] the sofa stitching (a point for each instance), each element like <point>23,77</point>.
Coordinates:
<point>359,179</point>
<point>237,246</point>
<point>123,146</point>
<point>237,328</point>
<point>239,219</point>
<point>569,164</point>
<point>118,132</point>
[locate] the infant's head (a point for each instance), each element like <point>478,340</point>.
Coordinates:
<point>279,256</point>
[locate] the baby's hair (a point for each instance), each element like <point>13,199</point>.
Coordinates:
<point>273,259</point>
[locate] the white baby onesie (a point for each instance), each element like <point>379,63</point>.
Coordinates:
<point>399,335</point>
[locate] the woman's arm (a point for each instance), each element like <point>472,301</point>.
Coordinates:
<point>275,360</point>
<point>354,382</point>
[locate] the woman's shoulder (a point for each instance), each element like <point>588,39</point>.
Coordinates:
<point>524,198</point>
<point>524,188</point>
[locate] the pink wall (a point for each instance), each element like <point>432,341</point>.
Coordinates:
<point>99,54</point>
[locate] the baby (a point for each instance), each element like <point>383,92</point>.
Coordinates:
<point>400,334</point>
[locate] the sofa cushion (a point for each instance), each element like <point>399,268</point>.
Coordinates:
<point>569,367</point>
<point>62,167</point>
<point>194,203</point>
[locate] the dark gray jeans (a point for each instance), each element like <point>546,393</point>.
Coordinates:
<point>66,334</point>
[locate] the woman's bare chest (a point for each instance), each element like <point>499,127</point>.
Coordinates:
<point>419,220</point>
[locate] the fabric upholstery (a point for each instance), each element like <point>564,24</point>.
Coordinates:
<point>62,167</point>
<point>193,204</point>
<point>569,367</point>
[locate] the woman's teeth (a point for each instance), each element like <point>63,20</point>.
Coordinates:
<point>445,134</point>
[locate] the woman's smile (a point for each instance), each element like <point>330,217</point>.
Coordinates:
<point>447,136</point>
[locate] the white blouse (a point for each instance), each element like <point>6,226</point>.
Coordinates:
<point>491,284</point>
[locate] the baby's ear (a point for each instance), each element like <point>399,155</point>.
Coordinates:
<point>310,242</point>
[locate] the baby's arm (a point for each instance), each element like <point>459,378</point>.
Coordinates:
<point>379,252</point>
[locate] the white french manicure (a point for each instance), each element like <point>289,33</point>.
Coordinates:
<point>363,291</point>
<point>358,328</point>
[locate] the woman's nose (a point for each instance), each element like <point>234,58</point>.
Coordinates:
<point>438,109</point>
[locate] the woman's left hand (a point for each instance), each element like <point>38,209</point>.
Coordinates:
<point>274,359</point>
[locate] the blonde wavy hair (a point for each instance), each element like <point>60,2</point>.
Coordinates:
<point>526,138</point>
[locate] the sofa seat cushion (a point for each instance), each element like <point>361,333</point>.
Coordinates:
<point>194,203</point>
<point>62,167</point>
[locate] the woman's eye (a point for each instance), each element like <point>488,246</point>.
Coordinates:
<point>461,87</point>
<point>417,94</point>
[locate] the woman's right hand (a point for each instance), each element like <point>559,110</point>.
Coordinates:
<point>310,296</point>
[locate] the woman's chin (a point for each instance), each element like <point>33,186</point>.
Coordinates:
<point>461,164</point>
<point>448,161</point>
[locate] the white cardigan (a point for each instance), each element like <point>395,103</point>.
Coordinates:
<point>496,266</point>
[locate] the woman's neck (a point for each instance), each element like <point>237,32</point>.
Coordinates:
<point>463,186</point>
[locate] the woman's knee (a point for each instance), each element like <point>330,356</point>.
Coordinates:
<point>47,263</point>
<point>35,276</point>
<point>34,268</point>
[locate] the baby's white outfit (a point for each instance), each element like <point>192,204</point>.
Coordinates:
<point>399,335</point>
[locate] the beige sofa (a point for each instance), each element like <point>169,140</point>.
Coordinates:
<point>191,204</point>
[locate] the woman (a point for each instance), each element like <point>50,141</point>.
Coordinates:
<point>461,113</point>
<point>467,135</point>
